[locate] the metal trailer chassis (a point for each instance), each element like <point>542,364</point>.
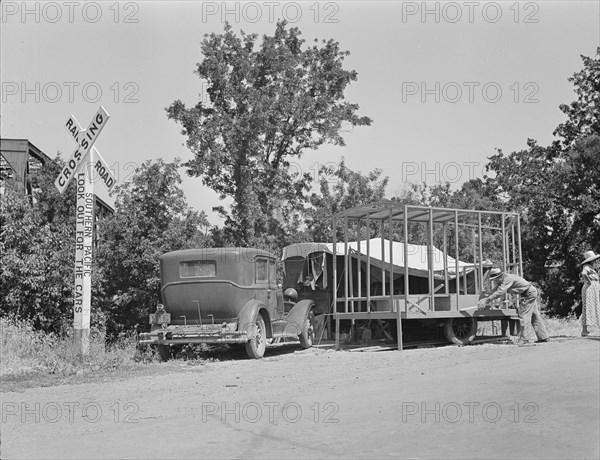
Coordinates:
<point>457,309</point>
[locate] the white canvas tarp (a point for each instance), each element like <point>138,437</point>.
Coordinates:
<point>417,256</point>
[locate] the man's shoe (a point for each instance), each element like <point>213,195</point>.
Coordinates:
<point>542,340</point>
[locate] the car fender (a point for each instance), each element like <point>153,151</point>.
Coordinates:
<point>249,314</point>
<point>295,318</point>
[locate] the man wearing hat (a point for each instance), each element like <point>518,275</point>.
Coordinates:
<point>507,283</point>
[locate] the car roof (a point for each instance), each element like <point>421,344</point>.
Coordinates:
<point>217,253</point>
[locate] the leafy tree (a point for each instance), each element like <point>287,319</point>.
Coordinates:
<point>584,113</point>
<point>473,194</point>
<point>268,104</point>
<point>525,182</point>
<point>555,189</point>
<point>578,217</point>
<point>341,188</point>
<point>37,246</point>
<point>35,267</point>
<point>151,218</point>
<point>579,178</point>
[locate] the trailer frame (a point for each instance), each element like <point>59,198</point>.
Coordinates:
<point>407,306</point>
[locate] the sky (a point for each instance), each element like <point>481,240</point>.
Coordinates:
<point>446,83</point>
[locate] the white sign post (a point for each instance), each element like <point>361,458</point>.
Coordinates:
<point>84,173</point>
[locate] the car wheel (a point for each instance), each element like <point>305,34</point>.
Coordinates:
<point>308,331</point>
<point>460,331</point>
<point>257,345</point>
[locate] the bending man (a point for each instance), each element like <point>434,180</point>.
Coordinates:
<point>528,311</point>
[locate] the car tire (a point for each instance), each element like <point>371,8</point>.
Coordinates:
<point>460,331</point>
<point>307,335</point>
<point>257,345</point>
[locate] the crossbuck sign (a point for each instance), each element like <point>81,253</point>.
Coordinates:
<point>86,165</point>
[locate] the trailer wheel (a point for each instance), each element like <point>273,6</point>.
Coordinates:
<point>257,345</point>
<point>460,331</point>
<point>308,331</point>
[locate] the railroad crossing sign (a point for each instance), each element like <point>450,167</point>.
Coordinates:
<point>85,139</point>
<point>86,173</point>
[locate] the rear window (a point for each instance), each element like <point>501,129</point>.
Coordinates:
<point>262,275</point>
<point>197,268</point>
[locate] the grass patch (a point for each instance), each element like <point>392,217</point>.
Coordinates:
<point>555,326</point>
<point>27,351</point>
<point>32,358</point>
<point>569,326</point>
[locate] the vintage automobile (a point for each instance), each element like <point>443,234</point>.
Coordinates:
<point>226,295</point>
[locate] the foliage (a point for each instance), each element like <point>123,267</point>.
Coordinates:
<point>579,180</point>
<point>584,113</point>
<point>341,188</point>
<point>27,351</point>
<point>556,190</point>
<point>34,270</point>
<point>524,181</point>
<point>37,246</point>
<point>473,194</point>
<point>151,217</point>
<point>267,106</point>
<point>577,217</point>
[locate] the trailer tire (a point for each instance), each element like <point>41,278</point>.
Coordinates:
<point>255,348</point>
<point>307,335</point>
<point>460,331</point>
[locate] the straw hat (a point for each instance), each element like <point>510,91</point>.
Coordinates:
<point>589,257</point>
<point>495,273</point>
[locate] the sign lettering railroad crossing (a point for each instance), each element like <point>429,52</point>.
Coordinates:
<point>85,139</point>
<point>86,165</point>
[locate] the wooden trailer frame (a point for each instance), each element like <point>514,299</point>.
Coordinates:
<point>423,306</point>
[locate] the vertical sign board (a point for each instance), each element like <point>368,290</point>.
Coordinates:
<point>84,238</point>
<point>85,174</point>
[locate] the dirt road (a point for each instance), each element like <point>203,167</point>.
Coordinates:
<point>485,401</point>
